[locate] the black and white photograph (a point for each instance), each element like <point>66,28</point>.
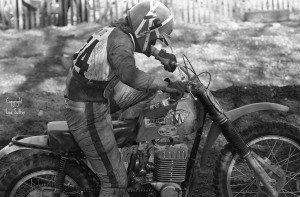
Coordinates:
<point>150,98</point>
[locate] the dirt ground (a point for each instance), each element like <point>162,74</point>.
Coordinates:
<point>248,63</point>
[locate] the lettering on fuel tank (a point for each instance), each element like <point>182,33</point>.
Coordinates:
<point>173,118</point>
<point>155,122</point>
<point>167,130</point>
<point>176,117</point>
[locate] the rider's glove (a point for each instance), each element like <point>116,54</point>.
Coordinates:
<point>176,89</point>
<point>167,59</point>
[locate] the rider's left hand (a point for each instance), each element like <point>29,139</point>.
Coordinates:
<point>179,86</point>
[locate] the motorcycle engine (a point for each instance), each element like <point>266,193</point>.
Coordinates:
<point>162,165</point>
<point>170,163</point>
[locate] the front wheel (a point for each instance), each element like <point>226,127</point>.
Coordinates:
<point>276,143</point>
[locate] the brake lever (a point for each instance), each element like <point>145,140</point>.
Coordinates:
<point>178,65</point>
<point>189,89</point>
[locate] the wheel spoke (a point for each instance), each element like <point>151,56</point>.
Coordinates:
<point>283,162</point>
<point>292,178</point>
<point>23,189</point>
<point>271,151</point>
<point>241,184</point>
<point>278,149</point>
<point>235,169</point>
<point>292,175</point>
<point>256,194</point>
<point>284,191</point>
<point>282,152</point>
<point>36,183</point>
<point>287,164</point>
<point>238,170</point>
<point>238,176</point>
<point>249,185</point>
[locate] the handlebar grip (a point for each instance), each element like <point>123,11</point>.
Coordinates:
<point>173,65</point>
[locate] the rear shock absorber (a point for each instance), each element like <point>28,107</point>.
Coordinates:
<point>60,178</point>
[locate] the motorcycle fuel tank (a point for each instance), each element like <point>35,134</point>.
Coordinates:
<point>166,120</point>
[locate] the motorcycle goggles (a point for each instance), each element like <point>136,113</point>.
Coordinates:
<point>164,38</point>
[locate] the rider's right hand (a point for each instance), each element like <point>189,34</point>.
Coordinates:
<point>167,59</point>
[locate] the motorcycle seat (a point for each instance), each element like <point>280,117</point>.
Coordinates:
<point>62,141</point>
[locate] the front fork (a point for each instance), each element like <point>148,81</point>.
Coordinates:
<point>244,151</point>
<point>233,137</point>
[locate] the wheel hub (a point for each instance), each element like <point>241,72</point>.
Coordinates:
<point>277,180</point>
<point>43,192</point>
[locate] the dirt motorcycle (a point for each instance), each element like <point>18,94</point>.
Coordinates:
<point>262,160</point>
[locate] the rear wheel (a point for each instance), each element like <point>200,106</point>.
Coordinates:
<point>36,175</point>
<point>279,145</point>
<point>14,157</point>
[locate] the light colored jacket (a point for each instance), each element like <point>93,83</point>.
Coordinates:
<point>106,58</point>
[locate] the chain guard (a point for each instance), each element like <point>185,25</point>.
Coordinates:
<point>51,188</point>
<point>81,189</point>
<point>146,191</point>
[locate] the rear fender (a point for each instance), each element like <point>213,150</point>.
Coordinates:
<point>215,130</point>
<point>37,140</point>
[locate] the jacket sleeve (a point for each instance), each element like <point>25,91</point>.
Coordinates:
<point>120,55</point>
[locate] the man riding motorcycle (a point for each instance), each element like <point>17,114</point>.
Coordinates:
<point>104,79</point>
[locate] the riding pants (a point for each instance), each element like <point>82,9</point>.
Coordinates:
<point>90,124</point>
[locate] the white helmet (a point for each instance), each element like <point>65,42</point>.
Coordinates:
<point>150,20</point>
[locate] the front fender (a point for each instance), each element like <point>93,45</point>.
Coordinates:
<point>234,114</point>
<point>37,140</point>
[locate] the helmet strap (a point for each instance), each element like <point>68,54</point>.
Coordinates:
<point>146,42</point>
<point>157,33</point>
<point>149,26</point>
<point>132,40</point>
